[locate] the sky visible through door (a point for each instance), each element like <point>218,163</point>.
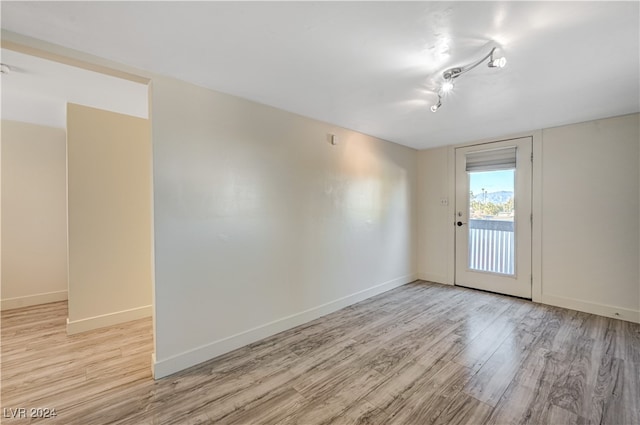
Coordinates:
<point>491,195</point>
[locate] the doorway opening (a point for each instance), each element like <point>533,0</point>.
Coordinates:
<point>63,195</point>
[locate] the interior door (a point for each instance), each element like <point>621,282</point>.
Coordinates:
<point>493,217</point>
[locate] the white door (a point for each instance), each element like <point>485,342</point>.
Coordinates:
<point>493,217</point>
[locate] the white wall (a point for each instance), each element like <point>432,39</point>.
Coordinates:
<point>261,224</point>
<point>590,208</point>
<point>435,204</point>
<point>110,264</point>
<point>34,214</point>
<point>586,208</point>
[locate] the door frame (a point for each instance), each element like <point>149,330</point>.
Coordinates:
<point>519,283</point>
<point>536,207</point>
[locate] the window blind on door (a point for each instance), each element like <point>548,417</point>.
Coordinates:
<point>492,160</point>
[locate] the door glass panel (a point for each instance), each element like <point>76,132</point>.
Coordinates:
<point>491,224</point>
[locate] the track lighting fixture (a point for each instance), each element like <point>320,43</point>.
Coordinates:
<point>452,73</point>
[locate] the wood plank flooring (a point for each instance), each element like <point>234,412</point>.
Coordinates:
<point>423,353</point>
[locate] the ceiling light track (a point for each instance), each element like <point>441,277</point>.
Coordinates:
<point>452,73</point>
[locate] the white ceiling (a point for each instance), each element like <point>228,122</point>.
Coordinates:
<point>37,90</point>
<point>373,66</point>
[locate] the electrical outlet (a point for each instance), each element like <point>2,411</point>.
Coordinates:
<point>444,201</point>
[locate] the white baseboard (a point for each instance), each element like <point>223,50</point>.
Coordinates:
<point>178,362</point>
<point>430,277</point>
<point>90,323</point>
<point>29,300</point>
<point>593,308</point>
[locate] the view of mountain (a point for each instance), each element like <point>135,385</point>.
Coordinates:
<point>499,197</point>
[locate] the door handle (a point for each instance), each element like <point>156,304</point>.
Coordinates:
<point>460,223</point>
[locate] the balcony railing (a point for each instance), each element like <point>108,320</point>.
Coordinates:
<point>491,246</point>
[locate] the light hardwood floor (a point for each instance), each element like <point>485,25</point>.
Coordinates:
<point>421,354</point>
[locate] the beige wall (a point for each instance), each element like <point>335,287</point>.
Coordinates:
<point>109,175</point>
<point>435,204</point>
<point>261,224</point>
<point>586,230</point>
<point>590,209</point>
<point>34,214</point>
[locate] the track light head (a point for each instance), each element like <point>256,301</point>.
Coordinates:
<point>447,86</point>
<point>437,106</point>
<point>451,73</point>
<point>498,62</point>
